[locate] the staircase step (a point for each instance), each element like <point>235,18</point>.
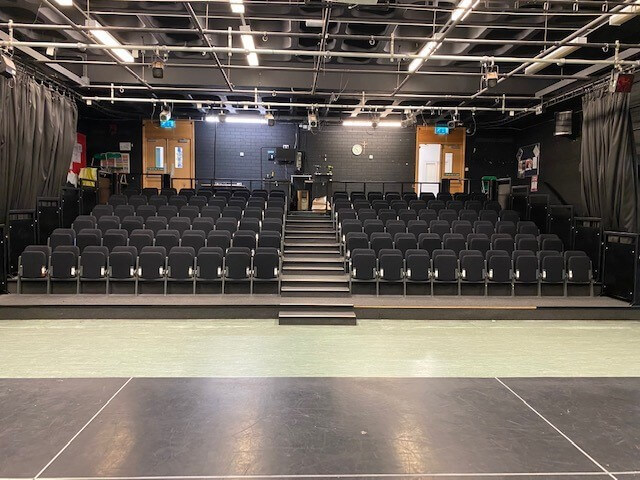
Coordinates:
<point>304,258</point>
<point>318,243</point>
<point>333,251</point>
<point>309,269</point>
<point>337,278</point>
<point>317,318</point>
<point>315,290</point>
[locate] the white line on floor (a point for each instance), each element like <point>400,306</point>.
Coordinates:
<point>580,449</point>
<point>348,475</point>
<point>82,429</point>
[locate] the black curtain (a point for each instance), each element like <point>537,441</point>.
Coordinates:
<point>608,165</point>
<point>37,137</point>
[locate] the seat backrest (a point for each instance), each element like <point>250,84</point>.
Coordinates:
<point>367,214</point>
<point>102,210</point>
<point>445,263</point>
<point>137,200</point>
<point>488,216</point>
<point>454,241</point>
<point>158,200</point>
<point>122,211</point>
<point>427,215</point>
<point>386,215</point>
<point>198,201</point>
<point>94,262</point>
<point>181,224</point>
<point>390,264</point>
<point>551,266</point>
<point>474,205</point>
<point>273,212</point>
<point>178,200</point>
<point>436,205</point>
<point>373,225</point>
<point>146,211</point>
<point>232,212</point>
<point>363,264</point>
<point>395,226</point>
<point>64,262</point>
<point>270,239</point>
<point>504,243</point>
<point>253,212</point>
<point>34,261</point>
<point>417,227</point>
<point>429,242</point>
<point>210,211</point>
<point>551,243</point>
<point>417,264</point>
<point>380,240</point>
<point>229,224</point>
<point>168,239</point>
<point>84,221</point>
<point>168,192</point>
<point>462,227</point>
<point>195,239</point>
<point>355,240</point>
<point>455,205</point>
<point>108,222</point>
<point>506,226</point>
<point>189,211</point>
<point>478,241</point>
<point>238,262</point>
<point>407,215</point>
<point>405,241</point>
<point>447,215</point>
<point>167,211</point>
<point>156,224</point>
<point>399,205</point>
<point>132,223</point>
<point>350,225</point>
<point>468,215</point>
<point>187,192</point>
<point>440,227</point>
<point>471,265</point>
<point>115,237</point>
<point>180,262</point>
<point>484,226</point>
<point>122,262</point>
<point>209,263</point>
<point>492,205</point>
<point>117,199</point>
<point>252,224</point>
<point>272,224</point>
<point>219,238</point>
<point>141,239</point>
<point>205,224</point>
<point>218,201</point>
<point>525,266</point>
<point>245,238</point>
<point>498,266</point>
<point>510,216</point>
<point>527,243</point>
<point>528,227</point>
<point>266,263</point>
<point>151,263</point>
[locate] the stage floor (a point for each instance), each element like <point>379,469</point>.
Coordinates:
<point>249,428</point>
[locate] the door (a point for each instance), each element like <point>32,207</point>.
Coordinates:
<point>155,162</point>
<point>429,167</point>
<point>452,166</point>
<point>180,163</point>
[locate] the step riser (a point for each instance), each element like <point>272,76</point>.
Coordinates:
<point>311,284</point>
<point>309,272</point>
<point>318,321</point>
<point>312,294</point>
<point>327,251</point>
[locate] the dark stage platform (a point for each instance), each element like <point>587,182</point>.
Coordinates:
<point>189,428</point>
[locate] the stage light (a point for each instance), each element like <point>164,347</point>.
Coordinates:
<point>157,69</point>
<point>271,121</point>
<point>165,114</point>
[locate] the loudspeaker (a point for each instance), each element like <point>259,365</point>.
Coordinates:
<point>564,123</point>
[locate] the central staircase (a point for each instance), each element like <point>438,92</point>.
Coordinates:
<point>313,266</point>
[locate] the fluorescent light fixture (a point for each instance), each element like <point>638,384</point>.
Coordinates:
<point>252,59</point>
<point>106,38</point>
<point>64,3</point>
<point>367,123</point>
<point>463,9</point>
<point>212,119</point>
<point>558,53</point>
<point>246,119</point>
<point>237,6</point>
<point>249,44</point>
<point>427,50</point>
<point>626,14</point>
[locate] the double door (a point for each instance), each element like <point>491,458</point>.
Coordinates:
<point>168,156</point>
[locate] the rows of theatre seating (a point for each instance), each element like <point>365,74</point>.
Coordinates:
<point>165,237</point>
<point>396,238</point>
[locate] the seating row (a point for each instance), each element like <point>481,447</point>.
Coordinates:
<point>417,205</point>
<point>206,192</point>
<point>108,222</point>
<point>152,264</point>
<point>407,196</point>
<point>427,215</point>
<point>440,227</point>
<point>146,211</point>
<point>404,241</point>
<point>167,238</point>
<point>470,267</point>
<point>199,201</point>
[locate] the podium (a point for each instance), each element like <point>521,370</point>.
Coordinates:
<point>320,191</point>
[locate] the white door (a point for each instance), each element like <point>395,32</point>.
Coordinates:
<point>429,167</point>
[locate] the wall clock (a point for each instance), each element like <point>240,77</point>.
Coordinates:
<point>357,149</point>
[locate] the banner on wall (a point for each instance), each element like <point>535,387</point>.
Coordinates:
<point>528,158</point>
<point>78,159</point>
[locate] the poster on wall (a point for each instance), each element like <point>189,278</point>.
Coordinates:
<point>528,158</point>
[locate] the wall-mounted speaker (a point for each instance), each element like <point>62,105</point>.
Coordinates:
<point>564,124</point>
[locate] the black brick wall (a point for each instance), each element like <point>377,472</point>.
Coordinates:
<point>218,148</point>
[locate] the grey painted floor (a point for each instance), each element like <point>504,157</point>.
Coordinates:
<point>198,399</point>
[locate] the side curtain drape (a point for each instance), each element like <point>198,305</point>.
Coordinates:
<point>37,138</point>
<point>608,165</point>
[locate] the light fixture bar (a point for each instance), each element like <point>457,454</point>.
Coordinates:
<point>626,14</point>
<point>237,6</point>
<point>249,44</point>
<point>65,3</point>
<point>105,38</point>
<point>462,11</point>
<point>558,53</point>
<point>424,53</point>
<point>367,123</point>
